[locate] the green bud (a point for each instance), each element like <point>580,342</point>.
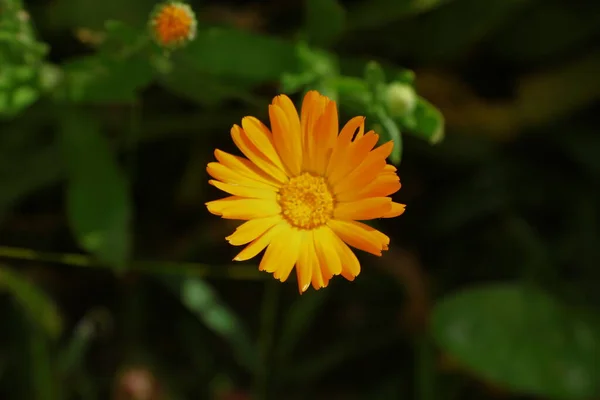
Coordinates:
<point>400,99</point>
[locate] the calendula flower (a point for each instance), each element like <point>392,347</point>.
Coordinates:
<point>173,24</point>
<point>302,190</point>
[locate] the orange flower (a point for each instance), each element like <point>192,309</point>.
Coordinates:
<point>173,24</point>
<point>302,190</point>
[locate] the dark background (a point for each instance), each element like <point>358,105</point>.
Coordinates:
<point>114,278</point>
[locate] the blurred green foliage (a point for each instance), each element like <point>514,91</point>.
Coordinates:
<point>116,283</point>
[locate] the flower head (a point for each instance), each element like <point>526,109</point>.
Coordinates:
<point>302,190</point>
<point>173,24</point>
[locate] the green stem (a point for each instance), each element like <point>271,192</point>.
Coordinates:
<point>233,272</point>
<point>266,339</point>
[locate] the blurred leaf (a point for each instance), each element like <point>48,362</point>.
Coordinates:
<point>38,307</point>
<point>204,302</point>
<point>98,199</point>
<point>43,384</point>
<point>521,338</point>
<point>375,13</point>
<point>251,58</point>
<point>71,359</point>
<point>376,83</point>
<point>66,14</point>
<point>298,319</point>
<point>185,80</point>
<point>425,122</point>
<point>102,79</point>
<point>27,163</point>
<point>325,20</point>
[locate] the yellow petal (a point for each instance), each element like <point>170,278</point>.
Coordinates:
<point>318,279</point>
<point>254,154</point>
<point>252,229</point>
<point>290,242</point>
<point>256,246</point>
<point>235,207</point>
<point>360,236</point>
<point>350,264</point>
<point>325,247</point>
<point>363,209</point>
<point>303,266</point>
<point>245,191</point>
<point>283,250</point>
<point>396,210</point>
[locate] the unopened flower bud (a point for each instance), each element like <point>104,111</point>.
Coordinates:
<point>173,24</point>
<point>400,99</point>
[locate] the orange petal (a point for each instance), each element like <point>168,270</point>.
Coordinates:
<point>252,229</point>
<point>245,167</point>
<point>384,185</point>
<point>365,173</point>
<point>324,137</point>
<point>363,209</point>
<point>313,106</point>
<point>250,150</point>
<point>287,142</point>
<point>235,207</point>
<point>294,136</point>
<point>228,175</point>
<point>344,140</point>
<point>355,155</point>
<point>361,236</point>
<point>397,209</point>
<point>245,191</point>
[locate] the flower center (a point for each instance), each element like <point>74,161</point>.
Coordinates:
<point>306,201</point>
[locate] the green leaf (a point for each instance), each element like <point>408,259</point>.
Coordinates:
<point>98,198</point>
<point>201,299</point>
<point>521,338</point>
<point>375,13</point>
<point>38,307</point>
<point>252,58</point>
<point>375,79</point>
<point>325,20</point>
<point>27,161</point>
<point>103,79</point>
<point>390,129</point>
<point>425,122</point>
